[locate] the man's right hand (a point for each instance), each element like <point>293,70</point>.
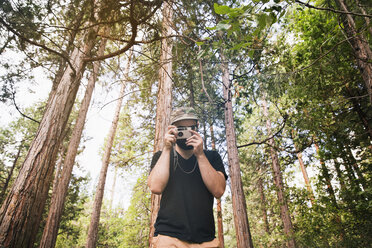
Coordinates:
<point>170,137</point>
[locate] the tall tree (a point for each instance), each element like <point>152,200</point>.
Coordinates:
<point>59,195</point>
<point>243,234</point>
<point>278,181</point>
<point>164,98</point>
<point>19,226</point>
<point>94,221</point>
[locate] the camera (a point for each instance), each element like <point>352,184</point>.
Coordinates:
<point>184,132</point>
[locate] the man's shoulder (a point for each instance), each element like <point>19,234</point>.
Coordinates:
<point>211,153</point>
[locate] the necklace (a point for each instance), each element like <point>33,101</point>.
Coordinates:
<point>178,164</point>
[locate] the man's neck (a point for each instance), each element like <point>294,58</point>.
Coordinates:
<point>184,153</point>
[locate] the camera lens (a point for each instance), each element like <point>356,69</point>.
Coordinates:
<point>180,134</point>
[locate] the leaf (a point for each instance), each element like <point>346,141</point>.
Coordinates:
<point>199,43</point>
<point>221,9</point>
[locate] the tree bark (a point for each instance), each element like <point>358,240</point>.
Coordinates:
<point>164,100</point>
<point>97,205</point>
<point>360,45</point>
<point>278,181</point>
<point>243,234</point>
<point>59,193</point>
<point>21,212</point>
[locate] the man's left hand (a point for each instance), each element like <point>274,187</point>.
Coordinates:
<point>197,142</point>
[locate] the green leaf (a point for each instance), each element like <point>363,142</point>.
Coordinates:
<point>221,9</point>
<point>199,43</point>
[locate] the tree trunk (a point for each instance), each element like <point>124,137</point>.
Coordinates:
<point>10,174</point>
<point>243,234</point>
<point>113,186</point>
<point>304,173</point>
<point>59,193</point>
<point>21,212</point>
<point>164,100</point>
<point>361,114</point>
<point>278,181</point>
<point>327,177</point>
<point>361,48</point>
<point>59,165</point>
<point>263,204</point>
<point>94,221</point>
<point>306,177</point>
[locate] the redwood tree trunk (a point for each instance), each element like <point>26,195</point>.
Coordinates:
<point>278,181</point>
<point>59,193</point>
<point>164,100</point>
<point>97,205</point>
<point>21,212</point>
<point>360,45</point>
<point>243,235</point>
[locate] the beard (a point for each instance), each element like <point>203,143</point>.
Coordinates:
<point>182,144</point>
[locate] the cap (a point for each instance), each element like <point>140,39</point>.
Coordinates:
<point>184,113</point>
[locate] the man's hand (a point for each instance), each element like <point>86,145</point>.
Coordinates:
<point>197,142</point>
<point>170,136</point>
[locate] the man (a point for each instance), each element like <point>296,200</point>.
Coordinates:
<point>188,177</point>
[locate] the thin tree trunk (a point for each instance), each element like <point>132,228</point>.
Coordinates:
<point>331,192</point>
<point>113,186</point>
<point>164,100</point>
<point>97,205</point>
<point>362,116</point>
<point>263,204</point>
<point>10,174</point>
<point>59,165</point>
<point>21,212</point>
<point>326,176</point>
<point>365,18</point>
<point>278,181</point>
<point>60,191</point>
<point>361,48</point>
<point>243,234</point>
<point>306,177</point>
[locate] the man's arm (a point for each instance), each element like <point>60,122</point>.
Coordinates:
<point>213,180</point>
<point>159,175</point>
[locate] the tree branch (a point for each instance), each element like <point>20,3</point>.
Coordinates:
<point>267,139</point>
<point>332,10</point>
<point>36,44</point>
<point>15,104</point>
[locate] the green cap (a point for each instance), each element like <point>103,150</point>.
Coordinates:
<point>184,113</point>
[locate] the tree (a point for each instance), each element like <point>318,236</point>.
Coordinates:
<point>58,197</point>
<point>243,233</point>
<point>93,227</point>
<point>164,99</point>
